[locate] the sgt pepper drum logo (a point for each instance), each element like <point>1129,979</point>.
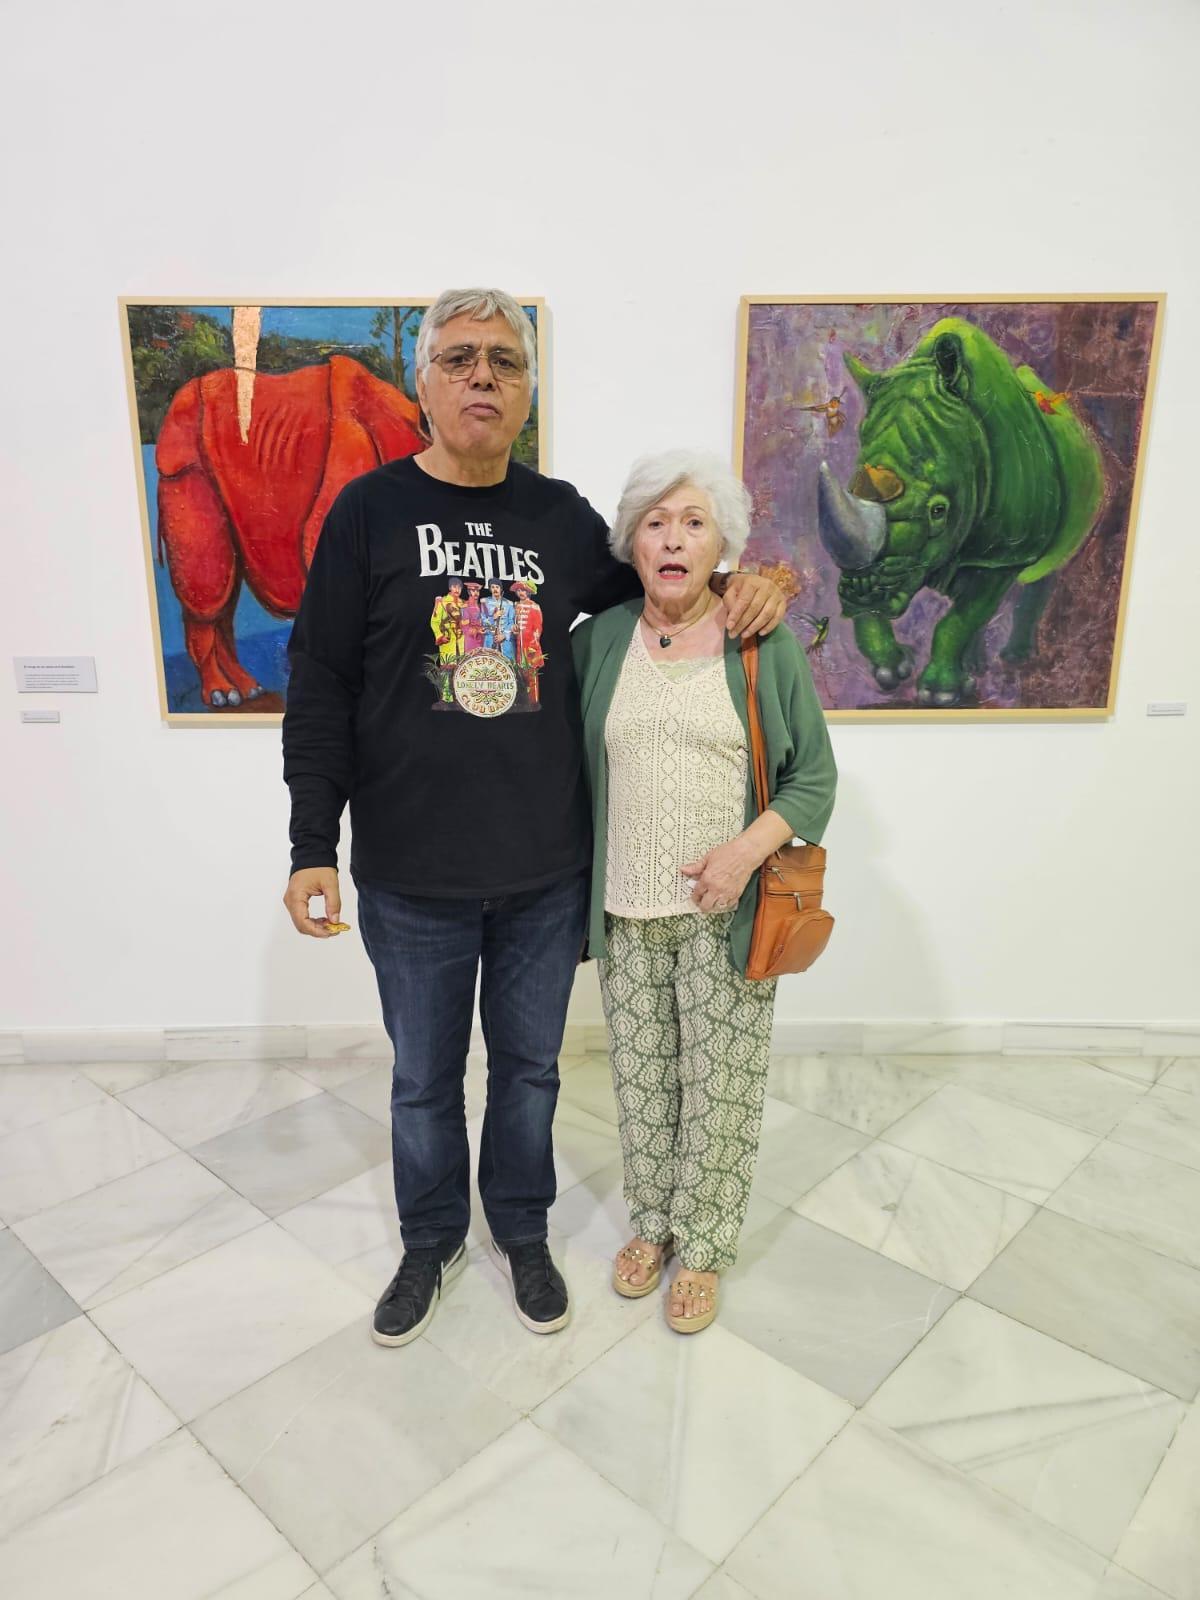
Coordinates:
<point>488,656</point>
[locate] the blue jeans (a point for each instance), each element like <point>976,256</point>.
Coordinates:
<point>426,954</point>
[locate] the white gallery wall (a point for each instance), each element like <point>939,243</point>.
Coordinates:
<point>641,166</point>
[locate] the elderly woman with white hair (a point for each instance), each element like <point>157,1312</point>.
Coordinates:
<point>677,847</point>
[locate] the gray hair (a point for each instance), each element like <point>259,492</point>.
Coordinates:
<point>481,305</point>
<point>652,478</point>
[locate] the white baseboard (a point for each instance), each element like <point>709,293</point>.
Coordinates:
<point>335,1041</point>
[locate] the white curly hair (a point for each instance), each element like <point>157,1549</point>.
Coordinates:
<point>652,478</point>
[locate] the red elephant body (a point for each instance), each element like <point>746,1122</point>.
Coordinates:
<point>231,510</point>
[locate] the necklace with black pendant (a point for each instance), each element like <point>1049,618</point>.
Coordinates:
<point>665,639</point>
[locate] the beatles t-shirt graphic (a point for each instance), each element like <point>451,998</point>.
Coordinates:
<point>486,623</point>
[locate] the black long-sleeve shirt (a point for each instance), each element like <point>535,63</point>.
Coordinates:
<point>446,714</point>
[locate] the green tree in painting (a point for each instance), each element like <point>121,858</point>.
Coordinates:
<point>169,345</point>
<point>388,326</point>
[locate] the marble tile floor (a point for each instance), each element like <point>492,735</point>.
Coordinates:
<point>959,1354</point>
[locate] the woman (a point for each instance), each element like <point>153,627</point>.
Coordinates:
<point>677,847</point>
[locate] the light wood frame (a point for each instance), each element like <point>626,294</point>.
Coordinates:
<point>934,714</point>
<point>273,719</point>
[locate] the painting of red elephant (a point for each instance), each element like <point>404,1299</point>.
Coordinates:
<point>248,420</point>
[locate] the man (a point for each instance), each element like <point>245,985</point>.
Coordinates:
<point>449,888</point>
<point>528,621</point>
<point>498,618</point>
<point>447,625</point>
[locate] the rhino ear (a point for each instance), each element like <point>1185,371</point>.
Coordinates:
<point>951,364</point>
<point>862,374</point>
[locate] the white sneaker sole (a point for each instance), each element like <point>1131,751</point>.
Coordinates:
<point>527,1322</point>
<point>449,1272</point>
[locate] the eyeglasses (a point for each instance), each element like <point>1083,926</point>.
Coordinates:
<point>460,360</point>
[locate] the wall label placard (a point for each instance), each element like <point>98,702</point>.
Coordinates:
<point>55,674</point>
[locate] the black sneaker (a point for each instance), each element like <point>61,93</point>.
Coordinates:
<point>407,1305</point>
<point>539,1293</point>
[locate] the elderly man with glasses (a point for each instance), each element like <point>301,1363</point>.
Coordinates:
<point>471,830</point>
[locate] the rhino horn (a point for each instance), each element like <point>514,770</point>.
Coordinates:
<point>853,531</point>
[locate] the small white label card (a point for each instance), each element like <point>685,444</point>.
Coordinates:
<point>55,674</point>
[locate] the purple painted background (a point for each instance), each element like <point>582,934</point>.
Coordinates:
<point>1097,351</point>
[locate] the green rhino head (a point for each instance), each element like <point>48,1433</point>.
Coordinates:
<point>918,485</point>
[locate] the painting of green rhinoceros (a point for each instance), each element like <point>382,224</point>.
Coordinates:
<point>952,488</point>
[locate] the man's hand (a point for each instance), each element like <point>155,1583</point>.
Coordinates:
<point>304,886</point>
<point>754,604</point>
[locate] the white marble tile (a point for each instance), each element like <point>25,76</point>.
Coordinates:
<point>288,1157</point>
<point>875,1517</point>
<point>111,1239</point>
<point>1113,1299</point>
<point>252,1043</point>
<point>1165,1122</point>
<point>1121,1585</point>
<point>1068,1437</point>
<point>917,1212</point>
<point>477,1327</point>
<point>53,1161</point>
<point>330,1072</point>
<point>720,1432</point>
<point>12,1049</point>
<point>1015,1150</point>
<point>1137,1196</point>
<point>93,1044</point>
<point>1147,1070</point>
<point>722,1587</point>
<point>319,1592</point>
<point>841,1315</point>
<point>365,1041</point>
<point>167,1525</point>
<point>339,1441</point>
<point>1076,1039</point>
<point>537,1515</point>
<point>370,1092</point>
<point>115,1077</point>
<point>73,1410</point>
<point>589,1087</point>
<point>866,1093</point>
<point>206,1329</point>
<point>582,1144</point>
<point>1183,1074</point>
<point>1065,1088</point>
<point>1162,1543</point>
<point>29,1095</point>
<point>356,1217</point>
<point>932,1038</point>
<point>796,1149</point>
<point>817,1038</point>
<point>31,1301</point>
<point>211,1097</point>
<point>1172,1041</point>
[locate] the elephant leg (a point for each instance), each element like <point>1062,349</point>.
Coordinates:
<point>975,593</point>
<point>244,687</point>
<point>1032,600</point>
<point>890,660</point>
<point>204,571</point>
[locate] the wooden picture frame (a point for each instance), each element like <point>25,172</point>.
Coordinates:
<point>341,372</point>
<point>791,415</point>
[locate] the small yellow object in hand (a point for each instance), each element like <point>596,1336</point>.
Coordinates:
<point>338,927</point>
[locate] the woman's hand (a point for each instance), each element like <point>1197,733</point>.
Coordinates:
<point>721,875</point>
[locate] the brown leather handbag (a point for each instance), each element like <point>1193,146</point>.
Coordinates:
<point>791,928</point>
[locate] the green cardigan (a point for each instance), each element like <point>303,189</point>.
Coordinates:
<point>800,764</point>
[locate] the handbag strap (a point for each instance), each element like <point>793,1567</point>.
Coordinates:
<point>758,744</point>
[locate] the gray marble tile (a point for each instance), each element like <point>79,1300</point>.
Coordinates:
<point>1165,1122</point>
<point>73,1410</point>
<point>365,1041</point>
<point>536,1515</point>
<point>29,1095</point>
<point>841,1315</point>
<point>288,1157</point>
<point>1075,1039</point>
<point>1068,1437</point>
<point>582,1144</point>
<point>211,1097</point>
<point>1136,1196</point>
<point>31,1301</point>
<point>1162,1543</point>
<point>115,1077</point>
<point>721,1429</point>
<point>93,1044</point>
<point>866,1093</point>
<point>1014,1150</point>
<point>111,1239</point>
<point>875,1517</point>
<point>342,1439</point>
<point>1113,1299</point>
<point>356,1217</point>
<point>589,1086</point>
<point>53,1161</point>
<point>207,1329</point>
<point>168,1525</point>
<point>796,1149</point>
<point>1183,1074</point>
<point>330,1072</point>
<point>477,1327</point>
<point>916,1212</point>
<point>252,1043</point>
<point>1065,1088</point>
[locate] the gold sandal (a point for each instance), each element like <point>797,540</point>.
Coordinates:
<point>699,1295</point>
<point>635,1254</point>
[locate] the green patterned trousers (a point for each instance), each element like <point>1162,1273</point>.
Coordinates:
<point>690,1040</point>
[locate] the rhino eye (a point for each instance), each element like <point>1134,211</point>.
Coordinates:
<point>938,507</point>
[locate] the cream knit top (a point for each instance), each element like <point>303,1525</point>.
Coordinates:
<point>677,775</point>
